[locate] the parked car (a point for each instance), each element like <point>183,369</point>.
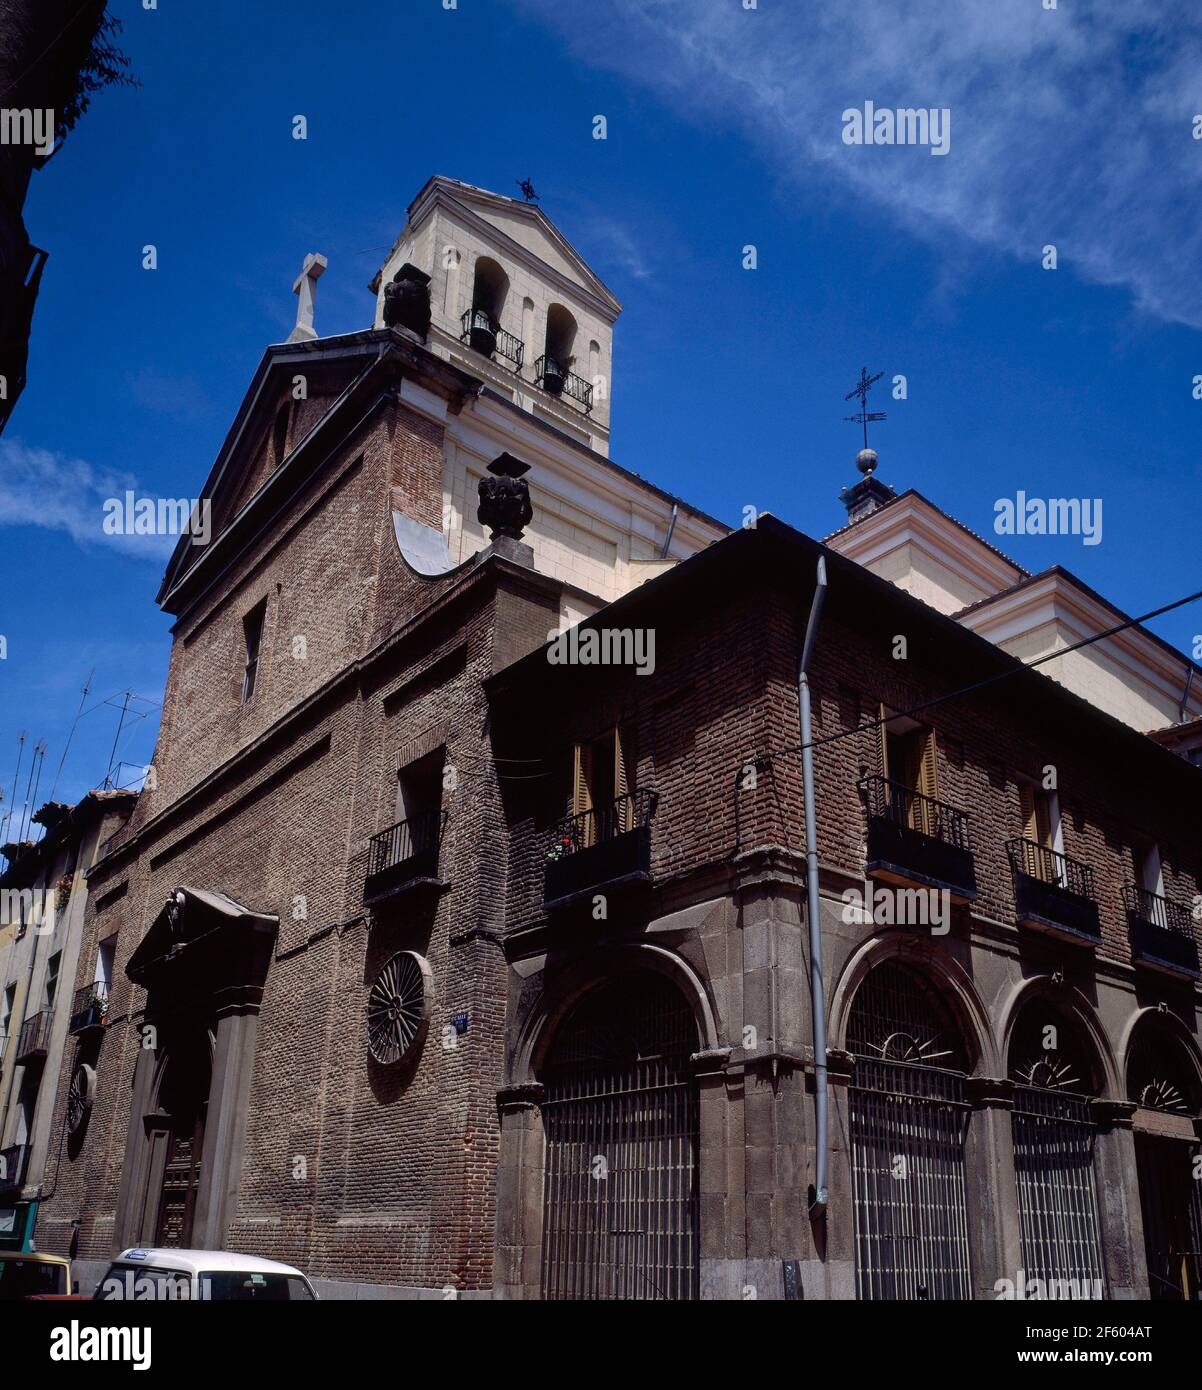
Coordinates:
<point>148,1275</point>
<point>29,1274</point>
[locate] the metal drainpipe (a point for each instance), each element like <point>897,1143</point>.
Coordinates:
<point>818,1206</point>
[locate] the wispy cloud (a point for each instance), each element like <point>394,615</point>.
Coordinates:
<point>42,488</point>
<point>1070,126</point>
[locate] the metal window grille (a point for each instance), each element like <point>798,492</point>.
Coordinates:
<point>1057,1200</point>
<point>909,1121</point>
<point>620,1216</point>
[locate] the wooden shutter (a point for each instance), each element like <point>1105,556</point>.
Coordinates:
<point>1026,802</point>
<point>624,766</point>
<point>582,758</point>
<point>927,784</point>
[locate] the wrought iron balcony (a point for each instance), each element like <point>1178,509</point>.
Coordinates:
<point>1053,892</point>
<point>486,336</point>
<point>404,856</point>
<point>605,847</point>
<point>557,380</point>
<point>1164,935</point>
<point>916,840</point>
<point>35,1037</point>
<point>90,1007</point>
<point>13,1162</point>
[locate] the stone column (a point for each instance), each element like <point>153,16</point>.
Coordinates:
<point>131,1195</point>
<point>225,1126</point>
<point>1119,1211</point>
<point>991,1190</point>
<point>520,1192</point>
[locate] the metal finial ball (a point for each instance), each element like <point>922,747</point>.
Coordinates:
<point>866,460</point>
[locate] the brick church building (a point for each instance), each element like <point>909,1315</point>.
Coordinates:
<point>456,958</point>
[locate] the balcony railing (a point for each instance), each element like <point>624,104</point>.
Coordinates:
<point>13,1161</point>
<point>403,855</point>
<point>1163,932</point>
<point>603,847</point>
<point>35,1037</point>
<point>557,380</point>
<point>487,337</point>
<point>90,1007</point>
<point>914,839</point>
<point>1053,892</point>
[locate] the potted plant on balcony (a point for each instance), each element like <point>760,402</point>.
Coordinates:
<point>62,891</point>
<point>561,847</point>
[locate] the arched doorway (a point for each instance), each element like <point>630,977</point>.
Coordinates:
<point>180,1129</point>
<point>909,1121</point>
<point>620,1213</point>
<point>1163,1083</point>
<point>1055,1076</point>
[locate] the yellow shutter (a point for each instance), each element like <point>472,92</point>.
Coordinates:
<point>1026,802</point>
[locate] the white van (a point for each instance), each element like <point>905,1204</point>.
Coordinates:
<point>184,1276</point>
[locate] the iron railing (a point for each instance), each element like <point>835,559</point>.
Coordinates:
<point>557,380</point>
<point>35,1036</point>
<point>1161,912</point>
<point>594,827</point>
<point>415,838</point>
<point>1050,866</point>
<point>12,1166</point>
<point>90,1006</point>
<point>888,800</point>
<point>480,328</point>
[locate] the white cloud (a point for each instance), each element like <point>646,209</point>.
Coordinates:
<point>1070,126</point>
<point>39,487</point>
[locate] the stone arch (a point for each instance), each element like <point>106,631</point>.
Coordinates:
<point>1069,1001</point>
<point>1171,1028</point>
<point>539,1026</point>
<point>950,978</point>
<point>490,288</point>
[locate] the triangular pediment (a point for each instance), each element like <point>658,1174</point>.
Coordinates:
<point>517,226</point>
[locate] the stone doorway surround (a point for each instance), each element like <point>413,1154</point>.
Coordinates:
<point>203,963</point>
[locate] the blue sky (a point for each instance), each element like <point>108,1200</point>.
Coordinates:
<point>1070,127</point>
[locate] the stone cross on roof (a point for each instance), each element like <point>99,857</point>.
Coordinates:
<point>306,288</point>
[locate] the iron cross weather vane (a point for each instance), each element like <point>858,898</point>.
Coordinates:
<point>860,391</point>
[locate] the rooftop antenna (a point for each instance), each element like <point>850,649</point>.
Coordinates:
<point>39,752</point>
<point>120,725</point>
<point>87,685</point>
<point>12,801</point>
<point>527,190</point>
<point>39,757</point>
<point>863,415</point>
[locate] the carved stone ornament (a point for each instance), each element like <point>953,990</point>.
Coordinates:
<point>505,498</point>
<point>407,300</point>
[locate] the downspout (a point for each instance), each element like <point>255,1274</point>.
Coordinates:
<point>818,1000</point>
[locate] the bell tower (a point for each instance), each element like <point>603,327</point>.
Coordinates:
<point>511,301</point>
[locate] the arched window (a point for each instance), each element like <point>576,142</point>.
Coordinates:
<point>620,1214</point>
<point>1056,1075</point>
<point>908,1127</point>
<point>1161,1077</point>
